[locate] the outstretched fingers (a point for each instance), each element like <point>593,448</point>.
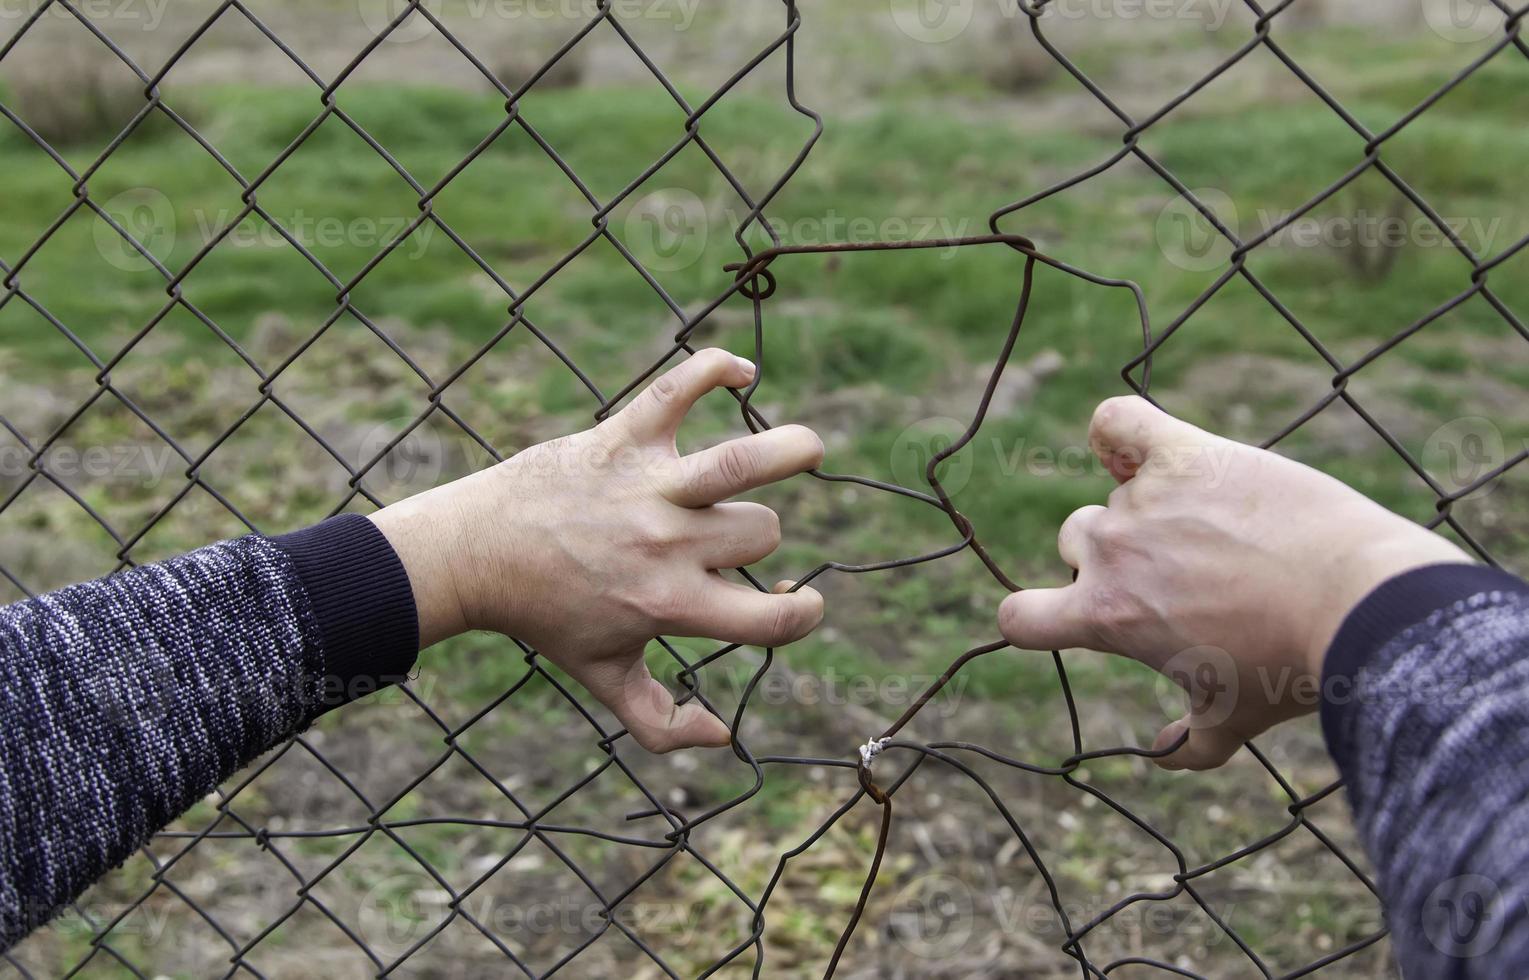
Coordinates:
<point>646,708</point>
<point>736,613</point>
<point>656,413</point>
<point>739,465</point>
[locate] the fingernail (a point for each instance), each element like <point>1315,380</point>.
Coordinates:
<point>745,364</point>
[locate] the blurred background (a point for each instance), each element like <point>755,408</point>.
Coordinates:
<point>936,115</point>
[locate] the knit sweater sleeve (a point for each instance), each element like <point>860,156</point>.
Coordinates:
<point>124,701</point>
<point>1426,710</point>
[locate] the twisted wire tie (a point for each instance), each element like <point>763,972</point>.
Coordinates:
<point>871,749</point>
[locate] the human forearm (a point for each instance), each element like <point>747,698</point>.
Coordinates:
<point>126,700</point>
<point>1425,708</point>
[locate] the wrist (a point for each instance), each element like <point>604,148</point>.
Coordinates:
<point>1398,547</point>
<point>423,532</point>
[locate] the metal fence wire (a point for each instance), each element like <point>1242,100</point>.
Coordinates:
<point>888,763</point>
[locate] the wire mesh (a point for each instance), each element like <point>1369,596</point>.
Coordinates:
<point>901,759</point>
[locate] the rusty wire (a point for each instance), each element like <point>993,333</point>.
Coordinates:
<point>755,281</point>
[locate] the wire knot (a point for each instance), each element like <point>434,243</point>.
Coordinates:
<point>749,282</point>
<point>870,750</point>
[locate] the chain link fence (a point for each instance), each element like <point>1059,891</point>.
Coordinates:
<point>591,877</point>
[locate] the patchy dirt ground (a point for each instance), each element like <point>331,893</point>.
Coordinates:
<point>960,894</point>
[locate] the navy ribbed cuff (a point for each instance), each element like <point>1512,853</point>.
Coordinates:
<point>1399,602</point>
<point>361,597</point>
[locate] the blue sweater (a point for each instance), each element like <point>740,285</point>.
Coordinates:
<point>124,701</point>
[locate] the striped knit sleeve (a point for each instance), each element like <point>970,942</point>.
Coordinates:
<point>1426,710</point>
<point>126,700</point>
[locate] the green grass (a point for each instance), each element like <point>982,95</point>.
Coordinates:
<point>886,340</point>
<point>866,348</point>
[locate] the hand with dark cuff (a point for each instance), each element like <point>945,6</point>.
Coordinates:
<point>588,547</point>
<point>1227,567</point>
<point>125,700</point>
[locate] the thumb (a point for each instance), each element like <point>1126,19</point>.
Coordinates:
<point>647,709</point>
<point>1045,619</point>
<point>1205,748</point>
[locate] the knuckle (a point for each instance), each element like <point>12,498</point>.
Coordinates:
<point>784,620</point>
<point>711,361</point>
<point>699,482</point>
<point>663,390</point>
<point>1110,535</point>
<point>1148,490</point>
<point>657,741</point>
<point>666,604</point>
<point>659,537</point>
<point>1112,612</point>
<point>1078,525</point>
<point>1107,413</point>
<point>738,464</point>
